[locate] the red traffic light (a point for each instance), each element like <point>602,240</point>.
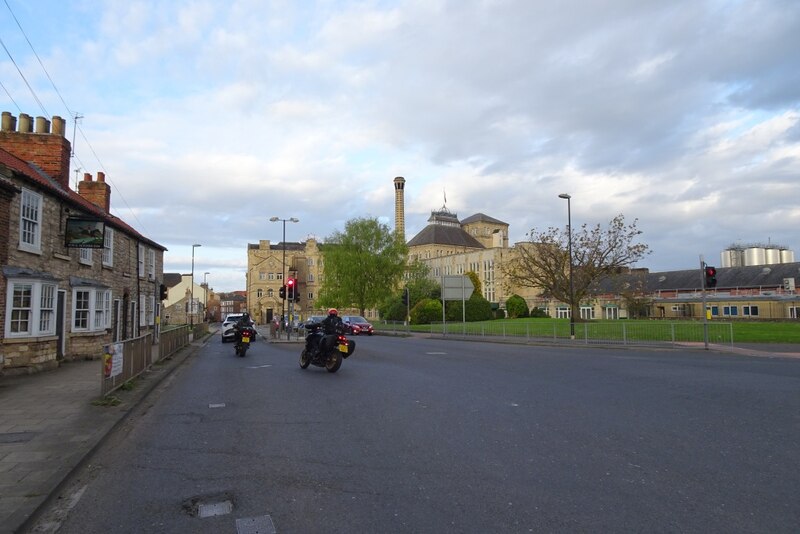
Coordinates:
<point>711,271</point>
<point>290,282</point>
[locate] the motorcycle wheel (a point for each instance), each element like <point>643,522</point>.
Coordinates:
<point>351,347</point>
<point>305,359</point>
<point>242,351</point>
<point>333,362</point>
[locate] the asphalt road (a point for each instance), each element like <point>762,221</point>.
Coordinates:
<point>418,435</point>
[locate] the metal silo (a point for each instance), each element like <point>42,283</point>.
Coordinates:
<point>754,256</point>
<point>787,256</point>
<point>772,256</point>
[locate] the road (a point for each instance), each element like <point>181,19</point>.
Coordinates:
<point>419,435</point>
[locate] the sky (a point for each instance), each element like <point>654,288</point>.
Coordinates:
<point>209,117</point>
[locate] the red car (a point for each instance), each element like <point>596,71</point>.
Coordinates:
<point>355,325</point>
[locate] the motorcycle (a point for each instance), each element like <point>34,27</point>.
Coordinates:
<point>330,359</point>
<point>244,335</point>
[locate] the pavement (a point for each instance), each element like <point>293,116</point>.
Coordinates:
<point>50,424</point>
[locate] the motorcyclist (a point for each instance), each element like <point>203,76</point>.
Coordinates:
<point>244,321</point>
<point>332,325</point>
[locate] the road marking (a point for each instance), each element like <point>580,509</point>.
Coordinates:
<point>260,366</point>
<point>435,353</point>
<point>219,405</point>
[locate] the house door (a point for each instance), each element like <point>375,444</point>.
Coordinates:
<point>61,331</point>
<point>116,321</point>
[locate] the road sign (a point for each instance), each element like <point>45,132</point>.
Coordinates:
<point>456,287</point>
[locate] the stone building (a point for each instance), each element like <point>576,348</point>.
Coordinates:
<point>267,273</point>
<point>74,276</point>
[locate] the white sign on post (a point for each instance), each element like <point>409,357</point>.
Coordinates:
<point>456,287</point>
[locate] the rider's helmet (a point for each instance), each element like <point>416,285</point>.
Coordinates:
<point>333,311</point>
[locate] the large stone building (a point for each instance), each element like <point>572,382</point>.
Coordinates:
<point>74,277</point>
<point>480,244</point>
<point>269,266</point>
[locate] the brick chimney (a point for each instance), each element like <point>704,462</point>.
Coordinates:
<point>98,193</point>
<point>48,150</point>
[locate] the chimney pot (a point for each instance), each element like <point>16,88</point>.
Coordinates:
<point>9,122</point>
<point>58,125</point>
<point>101,176</point>
<point>87,177</point>
<point>42,125</point>
<point>25,123</point>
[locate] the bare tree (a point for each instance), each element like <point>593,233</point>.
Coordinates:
<point>543,261</point>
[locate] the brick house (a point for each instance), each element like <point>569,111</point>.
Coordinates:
<point>58,301</point>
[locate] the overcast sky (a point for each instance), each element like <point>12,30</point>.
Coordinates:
<point>210,117</point>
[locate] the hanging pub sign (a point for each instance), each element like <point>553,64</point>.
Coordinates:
<point>84,232</point>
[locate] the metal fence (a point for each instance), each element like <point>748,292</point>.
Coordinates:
<point>601,333</point>
<point>127,359</point>
<point>170,341</point>
<point>124,360</point>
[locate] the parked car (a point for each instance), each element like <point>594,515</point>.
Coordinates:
<point>355,325</point>
<point>227,331</point>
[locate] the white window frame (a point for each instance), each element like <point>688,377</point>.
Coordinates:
<point>85,256</point>
<point>151,264</point>
<point>95,312</point>
<point>30,221</point>
<point>39,309</point>
<point>108,247</point>
<point>140,259</point>
<point>142,310</point>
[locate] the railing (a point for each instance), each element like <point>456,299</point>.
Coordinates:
<point>600,332</point>
<point>125,360</point>
<point>172,340</point>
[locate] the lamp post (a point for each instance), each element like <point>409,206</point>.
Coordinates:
<point>191,302</point>
<point>283,276</point>
<point>571,286</point>
<point>205,295</point>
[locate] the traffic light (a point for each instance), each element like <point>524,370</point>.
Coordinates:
<point>711,276</point>
<point>282,292</point>
<point>162,291</point>
<point>290,283</point>
<point>405,296</point>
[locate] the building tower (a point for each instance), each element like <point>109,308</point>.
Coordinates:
<point>399,208</point>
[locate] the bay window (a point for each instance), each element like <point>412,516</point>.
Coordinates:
<point>30,306</point>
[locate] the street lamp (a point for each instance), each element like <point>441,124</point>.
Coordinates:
<point>283,276</point>
<point>191,303</point>
<point>571,286</point>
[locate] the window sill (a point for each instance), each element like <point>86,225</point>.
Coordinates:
<point>28,339</point>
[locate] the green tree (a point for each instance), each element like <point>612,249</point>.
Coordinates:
<point>362,265</point>
<point>516,307</point>
<point>544,262</point>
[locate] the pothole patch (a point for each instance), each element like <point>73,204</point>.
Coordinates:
<point>255,525</point>
<point>209,505</point>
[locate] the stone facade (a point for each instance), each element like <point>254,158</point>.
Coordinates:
<point>66,302</point>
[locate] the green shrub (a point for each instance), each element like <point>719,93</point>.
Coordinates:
<point>426,311</point>
<point>516,307</point>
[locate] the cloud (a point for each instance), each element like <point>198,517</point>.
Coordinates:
<point>209,118</point>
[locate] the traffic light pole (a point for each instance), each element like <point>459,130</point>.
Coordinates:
<point>705,312</point>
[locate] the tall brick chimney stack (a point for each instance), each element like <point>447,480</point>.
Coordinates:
<point>47,149</point>
<point>399,207</point>
<point>98,193</point>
